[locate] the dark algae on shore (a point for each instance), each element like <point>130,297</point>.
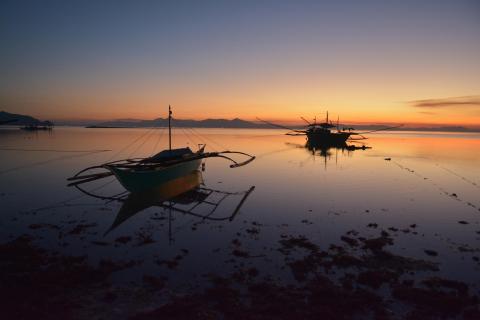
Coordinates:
<point>356,277</point>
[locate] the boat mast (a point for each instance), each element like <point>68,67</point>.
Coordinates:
<point>169,128</point>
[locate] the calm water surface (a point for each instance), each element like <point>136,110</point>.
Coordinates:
<point>432,181</point>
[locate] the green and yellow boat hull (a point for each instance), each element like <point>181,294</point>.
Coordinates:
<point>141,179</point>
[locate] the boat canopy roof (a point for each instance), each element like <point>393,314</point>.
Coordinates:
<point>170,154</point>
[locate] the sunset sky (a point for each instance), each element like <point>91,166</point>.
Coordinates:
<point>366,61</point>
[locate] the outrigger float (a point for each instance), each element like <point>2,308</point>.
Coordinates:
<point>140,174</point>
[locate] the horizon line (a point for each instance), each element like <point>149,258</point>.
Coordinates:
<point>284,121</point>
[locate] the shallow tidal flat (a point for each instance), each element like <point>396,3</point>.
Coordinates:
<point>390,232</point>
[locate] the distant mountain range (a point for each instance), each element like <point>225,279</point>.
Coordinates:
<point>20,119</point>
<point>239,123</point>
<point>161,122</point>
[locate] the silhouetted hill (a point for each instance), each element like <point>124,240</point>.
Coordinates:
<point>161,122</point>
<point>20,119</point>
<point>239,123</point>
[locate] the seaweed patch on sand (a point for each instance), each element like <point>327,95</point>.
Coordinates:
<point>39,284</point>
<point>356,281</point>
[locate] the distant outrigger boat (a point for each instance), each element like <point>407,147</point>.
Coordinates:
<point>140,174</point>
<point>35,127</point>
<point>320,134</point>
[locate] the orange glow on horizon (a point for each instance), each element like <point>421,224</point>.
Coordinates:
<point>288,118</point>
<point>353,100</point>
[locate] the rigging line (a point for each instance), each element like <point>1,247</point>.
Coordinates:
<point>442,190</point>
<point>187,135</point>
<point>46,162</point>
<point>193,136</point>
<point>190,137</point>
<point>115,197</point>
<point>209,139</point>
<point>460,176</point>
<point>119,196</point>
<point>65,203</point>
<point>203,140</point>
<point>160,135</point>
<point>104,185</point>
<point>127,146</point>
<point>219,144</point>
<point>195,139</point>
<point>265,154</point>
<point>52,150</point>
<point>260,136</point>
<point>200,140</point>
<point>141,144</point>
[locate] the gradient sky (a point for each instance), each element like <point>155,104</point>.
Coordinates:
<point>369,61</point>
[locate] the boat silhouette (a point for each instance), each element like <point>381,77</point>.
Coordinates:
<point>47,126</point>
<point>321,134</point>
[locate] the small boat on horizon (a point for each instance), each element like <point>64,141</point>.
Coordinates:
<point>140,174</point>
<point>321,134</point>
<point>35,127</point>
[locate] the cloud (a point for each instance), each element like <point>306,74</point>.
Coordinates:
<point>453,102</point>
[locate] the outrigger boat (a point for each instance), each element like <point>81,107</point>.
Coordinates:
<point>320,134</point>
<point>144,174</point>
<point>141,174</point>
<point>35,127</point>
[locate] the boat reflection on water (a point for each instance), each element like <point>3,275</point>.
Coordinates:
<point>329,150</point>
<point>324,150</point>
<point>183,195</point>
